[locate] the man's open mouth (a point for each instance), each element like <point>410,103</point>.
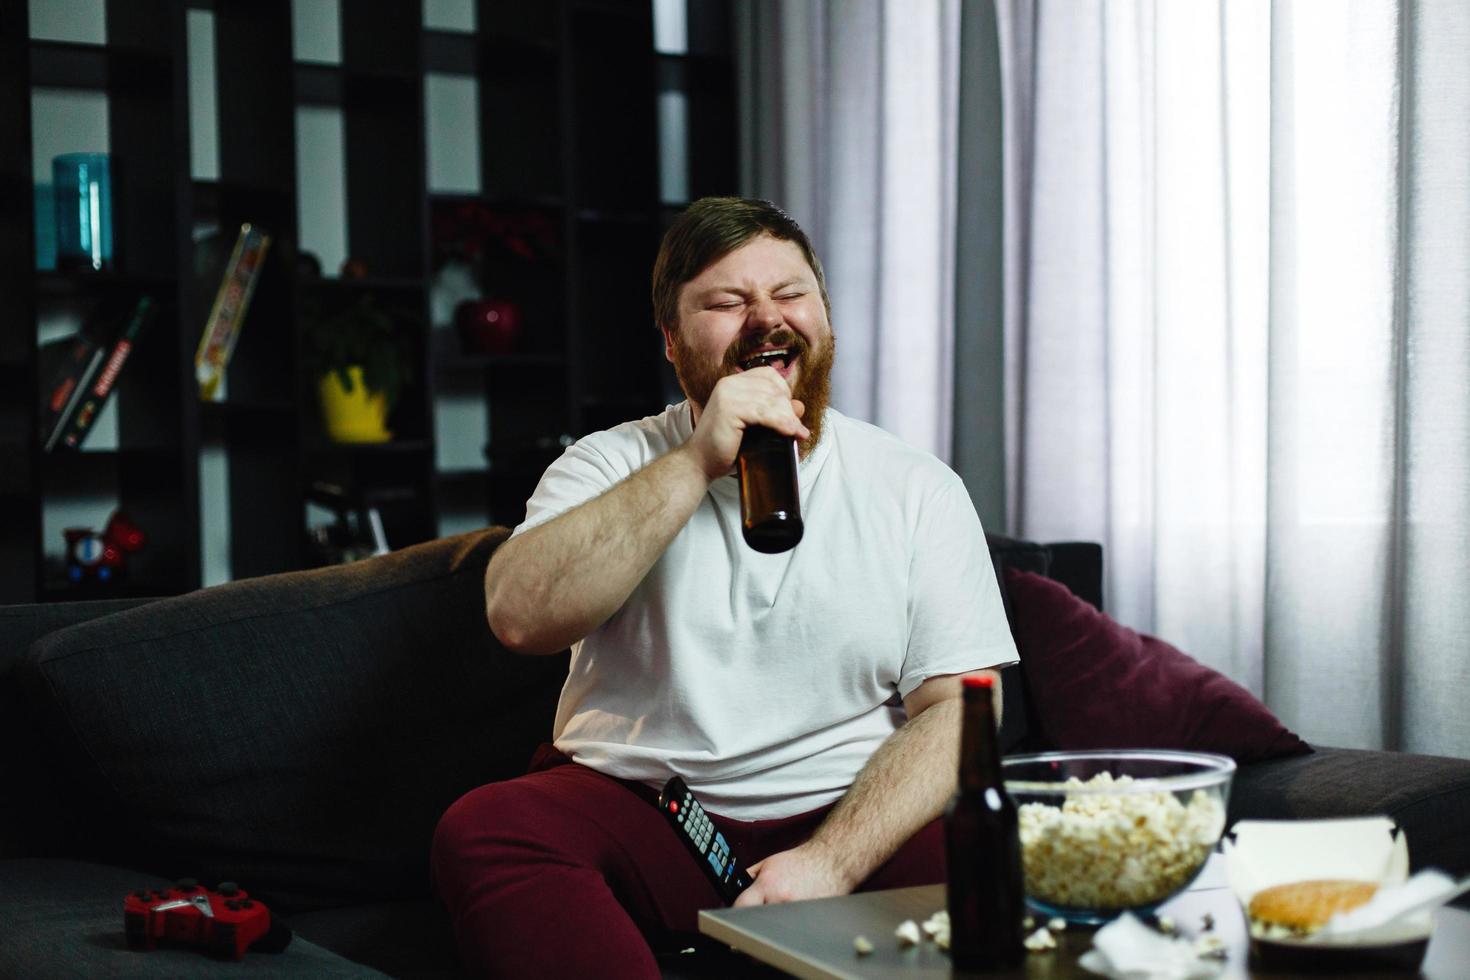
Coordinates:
<point>776,357</point>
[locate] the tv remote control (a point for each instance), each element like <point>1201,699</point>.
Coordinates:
<point>707,844</point>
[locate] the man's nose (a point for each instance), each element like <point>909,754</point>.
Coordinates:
<point>764,315</point>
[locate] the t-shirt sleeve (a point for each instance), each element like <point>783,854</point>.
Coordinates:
<point>957,622</point>
<point>579,474</point>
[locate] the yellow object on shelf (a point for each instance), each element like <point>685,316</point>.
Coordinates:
<point>353,416</point>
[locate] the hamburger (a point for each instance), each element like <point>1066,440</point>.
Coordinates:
<point>1299,908</point>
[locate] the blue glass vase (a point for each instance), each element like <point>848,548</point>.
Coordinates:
<point>83,188</point>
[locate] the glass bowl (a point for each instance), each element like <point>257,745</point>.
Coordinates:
<point>1107,831</point>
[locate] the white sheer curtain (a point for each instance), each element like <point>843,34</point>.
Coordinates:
<point>852,108</point>
<point>1238,338</point>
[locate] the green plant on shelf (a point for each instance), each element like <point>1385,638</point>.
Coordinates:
<point>359,335</point>
<point>359,361</point>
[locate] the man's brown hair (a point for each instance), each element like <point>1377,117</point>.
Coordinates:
<point>707,231</point>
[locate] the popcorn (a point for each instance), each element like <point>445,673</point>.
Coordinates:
<point>862,945</point>
<point>937,929</point>
<point>1040,940</point>
<point>1113,851</point>
<point>1210,948</point>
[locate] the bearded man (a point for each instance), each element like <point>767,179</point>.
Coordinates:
<point>810,699</point>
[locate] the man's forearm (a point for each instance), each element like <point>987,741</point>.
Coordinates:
<point>905,784</point>
<point>553,585</point>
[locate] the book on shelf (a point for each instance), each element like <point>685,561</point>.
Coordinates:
<point>93,365</point>
<point>68,366</point>
<point>231,302</point>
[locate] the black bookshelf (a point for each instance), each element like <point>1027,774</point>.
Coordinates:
<point>568,141</point>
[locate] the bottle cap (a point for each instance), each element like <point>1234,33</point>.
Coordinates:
<point>979,680</point>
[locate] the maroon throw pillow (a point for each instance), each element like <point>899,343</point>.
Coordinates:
<point>1097,684</point>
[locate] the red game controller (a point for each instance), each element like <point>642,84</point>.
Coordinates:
<point>225,923</point>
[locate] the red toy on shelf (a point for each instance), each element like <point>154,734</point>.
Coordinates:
<point>93,557</point>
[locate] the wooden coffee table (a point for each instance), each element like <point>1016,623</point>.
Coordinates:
<point>815,939</point>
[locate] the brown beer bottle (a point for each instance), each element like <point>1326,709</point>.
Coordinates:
<point>770,500</point>
<point>987,897</point>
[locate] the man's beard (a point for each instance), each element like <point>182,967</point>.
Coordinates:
<point>813,386</point>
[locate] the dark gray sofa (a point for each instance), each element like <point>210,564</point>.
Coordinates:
<point>301,734</point>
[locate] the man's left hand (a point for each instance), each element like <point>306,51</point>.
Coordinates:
<point>789,876</point>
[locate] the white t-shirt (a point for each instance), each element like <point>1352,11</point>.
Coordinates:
<point>767,681</point>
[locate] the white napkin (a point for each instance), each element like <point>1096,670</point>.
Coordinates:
<point>1426,890</point>
<point>1126,949</point>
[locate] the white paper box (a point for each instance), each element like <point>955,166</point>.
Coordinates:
<point>1274,852</point>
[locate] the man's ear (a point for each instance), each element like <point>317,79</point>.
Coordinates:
<point>668,344</point>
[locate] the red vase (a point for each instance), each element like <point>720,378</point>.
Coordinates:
<point>487,326</point>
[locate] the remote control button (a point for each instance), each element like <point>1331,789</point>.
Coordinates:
<point>230,888</point>
<point>673,806</point>
<point>248,904</point>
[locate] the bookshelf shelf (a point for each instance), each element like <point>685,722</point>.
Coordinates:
<point>451,362</point>
<point>51,283</point>
<point>461,478</point>
<point>338,450</point>
<point>363,284</point>
<point>210,194</point>
<point>335,85</point>
<point>231,409</point>
<point>542,202</point>
<point>60,64</point>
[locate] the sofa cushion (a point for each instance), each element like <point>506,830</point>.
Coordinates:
<point>301,733</point>
<point>1428,796</point>
<point>1096,684</point>
<point>64,919</point>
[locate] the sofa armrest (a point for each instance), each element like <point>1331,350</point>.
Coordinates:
<point>1427,796</point>
<point>29,813</point>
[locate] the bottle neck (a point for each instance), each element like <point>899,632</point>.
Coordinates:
<point>979,746</point>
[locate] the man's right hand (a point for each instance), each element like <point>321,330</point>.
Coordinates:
<point>551,586</point>
<point>756,397</point>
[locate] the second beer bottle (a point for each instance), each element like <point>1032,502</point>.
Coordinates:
<point>987,897</point>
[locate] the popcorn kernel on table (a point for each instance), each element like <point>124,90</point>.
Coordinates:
<point>1210,947</point>
<point>1040,940</point>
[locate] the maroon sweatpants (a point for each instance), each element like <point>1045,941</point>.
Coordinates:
<point>565,872</point>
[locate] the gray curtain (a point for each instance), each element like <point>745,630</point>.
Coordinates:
<point>875,123</point>
<point>1238,338</point>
